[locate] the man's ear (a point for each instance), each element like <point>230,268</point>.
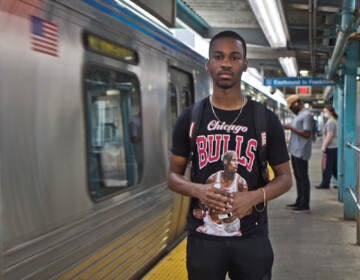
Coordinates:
<point>207,65</point>
<point>245,64</point>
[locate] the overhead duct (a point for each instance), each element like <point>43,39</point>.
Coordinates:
<point>346,29</point>
<point>313,33</point>
<point>187,15</point>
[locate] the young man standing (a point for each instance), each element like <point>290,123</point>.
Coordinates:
<point>227,123</point>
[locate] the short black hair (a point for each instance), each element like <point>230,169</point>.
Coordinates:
<point>228,34</point>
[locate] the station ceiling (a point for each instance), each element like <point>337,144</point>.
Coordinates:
<point>312,26</point>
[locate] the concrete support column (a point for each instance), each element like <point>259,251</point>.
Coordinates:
<point>339,93</point>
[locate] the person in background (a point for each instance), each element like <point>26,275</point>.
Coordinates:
<point>227,123</point>
<point>329,147</point>
<point>300,149</point>
<point>314,131</point>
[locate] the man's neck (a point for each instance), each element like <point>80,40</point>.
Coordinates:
<point>228,100</point>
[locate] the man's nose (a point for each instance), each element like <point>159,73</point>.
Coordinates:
<point>226,62</point>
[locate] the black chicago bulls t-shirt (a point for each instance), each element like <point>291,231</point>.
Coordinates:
<point>217,134</point>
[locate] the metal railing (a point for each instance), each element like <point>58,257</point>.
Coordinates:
<point>355,196</point>
<point>349,144</point>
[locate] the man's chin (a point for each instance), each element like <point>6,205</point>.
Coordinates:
<point>225,85</point>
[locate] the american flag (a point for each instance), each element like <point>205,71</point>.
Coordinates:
<point>44,36</point>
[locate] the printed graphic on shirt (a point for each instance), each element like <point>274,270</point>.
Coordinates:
<point>216,223</point>
<point>211,146</point>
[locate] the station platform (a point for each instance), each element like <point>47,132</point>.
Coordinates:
<point>317,245</point>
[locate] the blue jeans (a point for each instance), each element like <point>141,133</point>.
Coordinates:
<point>301,174</point>
<point>330,167</point>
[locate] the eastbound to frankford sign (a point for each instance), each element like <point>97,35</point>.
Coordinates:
<point>294,82</point>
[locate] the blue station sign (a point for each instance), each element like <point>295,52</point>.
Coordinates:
<point>295,82</point>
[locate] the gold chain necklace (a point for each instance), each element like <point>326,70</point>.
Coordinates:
<point>236,118</point>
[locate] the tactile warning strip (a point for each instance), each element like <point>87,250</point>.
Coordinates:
<point>172,266</point>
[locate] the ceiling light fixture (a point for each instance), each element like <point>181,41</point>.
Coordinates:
<point>270,16</point>
<point>289,65</point>
<point>304,73</point>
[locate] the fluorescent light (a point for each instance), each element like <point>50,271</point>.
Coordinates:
<point>304,73</point>
<point>249,79</point>
<point>289,65</point>
<point>254,72</point>
<point>271,19</point>
<point>112,92</point>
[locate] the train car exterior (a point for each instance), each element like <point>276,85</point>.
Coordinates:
<point>89,92</point>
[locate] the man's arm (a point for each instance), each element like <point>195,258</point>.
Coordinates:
<point>212,197</point>
<point>281,183</point>
<point>327,140</point>
<point>244,201</point>
<point>306,129</point>
<point>303,133</point>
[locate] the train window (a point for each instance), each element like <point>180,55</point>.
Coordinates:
<point>173,105</point>
<point>185,98</point>
<point>114,130</point>
<point>180,96</point>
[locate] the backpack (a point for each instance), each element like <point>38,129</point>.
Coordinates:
<point>260,130</point>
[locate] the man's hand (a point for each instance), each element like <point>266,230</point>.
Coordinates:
<point>243,203</point>
<point>287,126</point>
<point>216,199</point>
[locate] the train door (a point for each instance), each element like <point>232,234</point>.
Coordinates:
<point>180,96</point>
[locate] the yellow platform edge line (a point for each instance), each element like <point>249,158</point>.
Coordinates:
<point>172,266</point>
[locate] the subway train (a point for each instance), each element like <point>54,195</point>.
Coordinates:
<point>89,93</point>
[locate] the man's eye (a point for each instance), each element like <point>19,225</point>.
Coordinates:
<point>236,58</point>
<point>217,57</point>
